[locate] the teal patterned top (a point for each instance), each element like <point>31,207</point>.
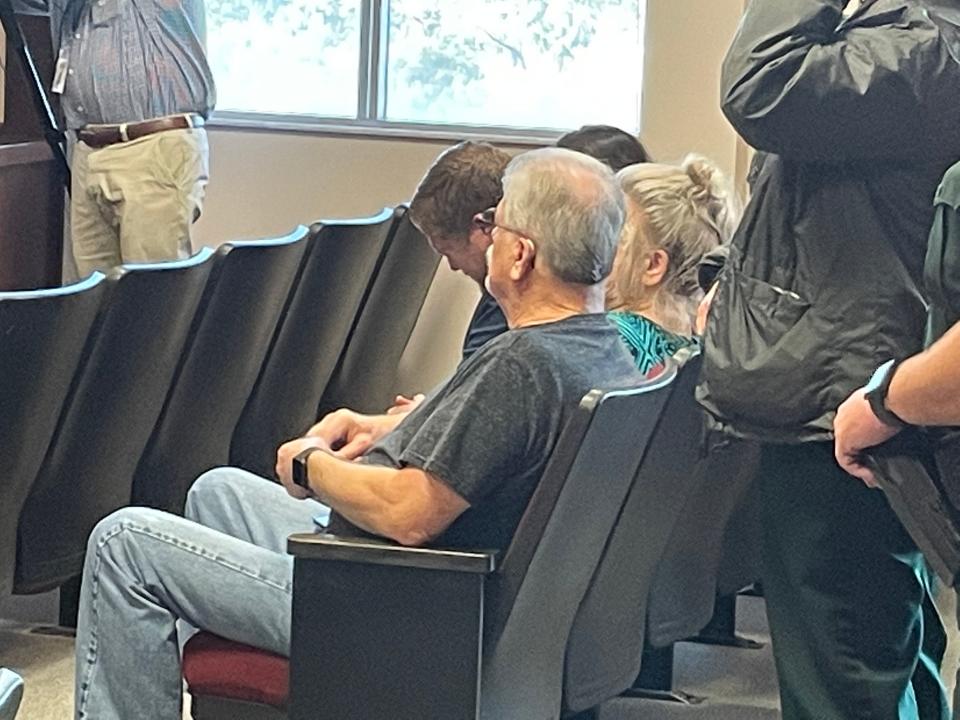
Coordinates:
<point>649,343</point>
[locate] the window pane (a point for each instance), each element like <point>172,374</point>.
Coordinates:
<point>540,63</point>
<point>285,56</point>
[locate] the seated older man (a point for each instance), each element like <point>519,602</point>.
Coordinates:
<point>457,471</point>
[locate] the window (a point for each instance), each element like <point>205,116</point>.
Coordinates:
<point>541,65</point>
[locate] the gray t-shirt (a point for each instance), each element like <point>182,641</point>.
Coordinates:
<point>488,432</point>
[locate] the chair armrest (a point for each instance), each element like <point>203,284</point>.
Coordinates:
<point>385,631</point>
<point>368,551</point>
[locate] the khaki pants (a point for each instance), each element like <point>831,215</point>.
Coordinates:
<point>136,201</point>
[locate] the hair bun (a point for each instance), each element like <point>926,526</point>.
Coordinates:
<point>713,188</point>
<point>706,175</point>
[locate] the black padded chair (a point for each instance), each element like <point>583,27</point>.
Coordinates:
<point>741,562</point>
<point>322,312</point>
<point>365,379</point>
<point>606,643</point>
<point>384,631</point>
<point>235,321</point>
<point>739,565</point>
<point>11,693</point>
<point>43,335</point>
<point>107,419</point>
<point>681,600</point>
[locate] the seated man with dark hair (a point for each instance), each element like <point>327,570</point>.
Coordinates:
<point>464,180</point>
<point>457,471</point>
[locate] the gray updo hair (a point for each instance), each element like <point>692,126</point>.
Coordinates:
<point>571,206</point>
<point>686,211</point>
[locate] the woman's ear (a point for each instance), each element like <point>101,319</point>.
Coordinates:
<point>657,263</point>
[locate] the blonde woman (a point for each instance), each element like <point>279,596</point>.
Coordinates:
<point>675,215</point>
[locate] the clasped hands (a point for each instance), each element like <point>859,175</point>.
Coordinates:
<point>344,434</point>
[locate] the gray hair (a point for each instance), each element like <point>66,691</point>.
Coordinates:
<point>571,206</point>
<point>686,211</point>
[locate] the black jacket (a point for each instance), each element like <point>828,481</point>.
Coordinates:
<point>860,117</point>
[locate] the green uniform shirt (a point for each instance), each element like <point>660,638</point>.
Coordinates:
<point>942,266</point>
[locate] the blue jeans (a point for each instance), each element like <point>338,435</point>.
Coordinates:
<point>225,569</point>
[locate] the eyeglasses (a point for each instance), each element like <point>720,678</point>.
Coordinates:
<point>485,222</point>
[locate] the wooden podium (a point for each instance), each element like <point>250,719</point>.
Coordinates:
<point>31,185</point>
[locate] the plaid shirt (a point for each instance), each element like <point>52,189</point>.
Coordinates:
<point>130,60</point>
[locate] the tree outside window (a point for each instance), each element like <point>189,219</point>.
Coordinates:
<point>549,64</point>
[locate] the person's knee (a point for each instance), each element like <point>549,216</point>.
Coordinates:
<point>114,525</point>
<point>214,490</point>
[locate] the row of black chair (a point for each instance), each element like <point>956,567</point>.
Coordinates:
<point>124,388</point>
<point>553,628</point>
<point>11,693</point>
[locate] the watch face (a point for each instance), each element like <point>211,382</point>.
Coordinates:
<point>300,470</point>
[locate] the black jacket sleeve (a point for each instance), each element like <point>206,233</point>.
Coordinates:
<point>801,81</point>
<point>31,7</point>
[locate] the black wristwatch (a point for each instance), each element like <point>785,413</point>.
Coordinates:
<point>876,394</point>
<point>301,472</point>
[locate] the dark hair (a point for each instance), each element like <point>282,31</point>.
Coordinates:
<point>613,146</point>
<point>464,180</point>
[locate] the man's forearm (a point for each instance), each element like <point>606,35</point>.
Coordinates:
<point>925,389</point>
<point>405,505</point>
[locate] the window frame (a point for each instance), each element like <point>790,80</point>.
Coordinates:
<point>371,104</point>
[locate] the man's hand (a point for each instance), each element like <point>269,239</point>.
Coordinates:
<point>403,405</point>
<point>285,455</point>
<point>350,434</point>
<point>856,428</point>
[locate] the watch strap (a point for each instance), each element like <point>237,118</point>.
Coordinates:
<point>301,472</point>
<point>876,395</point>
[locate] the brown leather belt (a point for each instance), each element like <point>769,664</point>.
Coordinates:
<point>98,136</point>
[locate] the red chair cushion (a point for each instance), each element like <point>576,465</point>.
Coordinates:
<point>215,666</point>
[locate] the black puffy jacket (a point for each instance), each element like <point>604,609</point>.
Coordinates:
<point>860,117</point>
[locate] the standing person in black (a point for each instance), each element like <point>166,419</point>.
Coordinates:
<point>857,105</point>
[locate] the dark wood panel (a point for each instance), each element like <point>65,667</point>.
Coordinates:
<point>22,121</point>
<point>31,187</point>
<point>31,217</point>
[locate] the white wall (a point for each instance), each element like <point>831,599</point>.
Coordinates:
<point>264,183</point>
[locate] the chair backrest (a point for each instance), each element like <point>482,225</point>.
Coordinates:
<point>606,642</point>
<point>365,379</point>
<point>11,693</point>
<point>235,321</point>
<point>113,405</point>
<point>320,316</point>
<point>741,553</point>
<point>534,596</point>
<point>682,595</point>
<point>43,333</point>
